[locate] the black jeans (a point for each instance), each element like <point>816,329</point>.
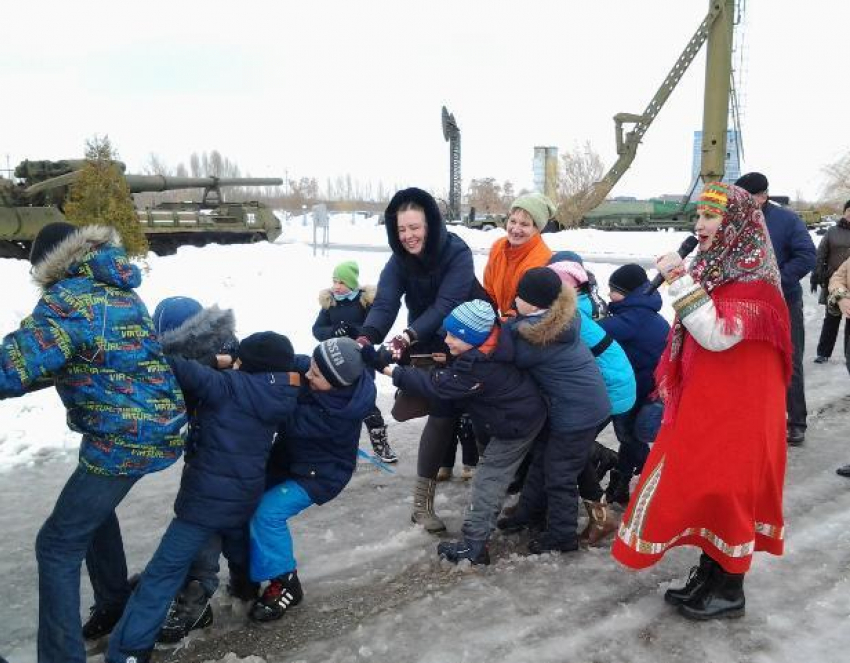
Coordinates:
<point>829,334</point>
<point>796,396</point>
<point>464,435</point>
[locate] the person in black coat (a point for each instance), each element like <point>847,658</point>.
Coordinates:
<point>833,250</point>
<point>344,307</point>
<point>231,436</point>
<point>432,270</point>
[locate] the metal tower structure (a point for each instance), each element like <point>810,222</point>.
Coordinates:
<point>451,132</point>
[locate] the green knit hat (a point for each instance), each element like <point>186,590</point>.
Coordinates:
<point>538,206</point>
<point>348,272</point>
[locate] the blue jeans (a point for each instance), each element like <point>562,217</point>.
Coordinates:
<point>271,542</point>
<point>162,579</point>
<point>83,525</point>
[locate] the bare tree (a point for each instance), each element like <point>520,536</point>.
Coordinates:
<point>485,195</point>
<point>581,169</point>
<point>837,187</point>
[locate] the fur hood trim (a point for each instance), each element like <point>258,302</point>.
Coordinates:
<point>54,267</point>
<point>549,327</point>
<point>204,333</point>
<point>367,297</point>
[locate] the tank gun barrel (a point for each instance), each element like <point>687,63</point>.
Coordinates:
<point>153,183</point>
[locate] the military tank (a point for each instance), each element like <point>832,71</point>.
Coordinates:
<point>37,195</point>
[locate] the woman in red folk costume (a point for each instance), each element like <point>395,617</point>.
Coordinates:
<point>715,474</point>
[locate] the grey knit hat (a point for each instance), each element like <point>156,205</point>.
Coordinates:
<point>339,361</point>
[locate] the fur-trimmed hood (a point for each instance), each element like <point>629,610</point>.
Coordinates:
<point>437,232</point>
<point>209,331</point>
<point>93,251</point>
<point>367,297</point>
<point>548,328</point>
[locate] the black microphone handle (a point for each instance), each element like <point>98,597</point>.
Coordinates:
<point>684,251</point>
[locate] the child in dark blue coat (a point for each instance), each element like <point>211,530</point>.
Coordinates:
<point>345,306</point>
<point>635,323</point>
<point>545,339</point>
<point>312,460</point>
<point>504,404</point>
<point>231,435</point>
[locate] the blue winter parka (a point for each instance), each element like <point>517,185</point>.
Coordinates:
<point>550,348</point>
<point>793,246</point>
<point>231,436</point>
<point>317,445</point>
<point>642,332</point>
<point>90,335</point>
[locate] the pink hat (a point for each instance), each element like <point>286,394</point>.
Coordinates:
<point>571,273</point>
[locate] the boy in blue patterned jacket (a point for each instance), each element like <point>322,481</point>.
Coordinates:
<point>90,335</point>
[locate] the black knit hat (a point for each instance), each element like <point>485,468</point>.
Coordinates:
<point>752,183</point>
<point>48,238</point>
<point>266,352</point>
<point>339,360</point>
<point>627,278</point>
<point>539,286</point>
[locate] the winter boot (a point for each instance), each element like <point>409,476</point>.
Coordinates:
<point>281,594</point>
<point>723,598</point>
<point>697,580</point>
<point>381,445</point>
<point>547,543</point>
<point>444,474</point>
<point>599,525</point>
<point>423,505</point>
<point>514,523</point>
<point>189,610</point>
<point>101,622</point>
<point>617,491</point>
<point>456,551</point>
<point>240,586</point>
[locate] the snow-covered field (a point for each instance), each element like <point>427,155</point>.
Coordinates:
<point>374,589</point>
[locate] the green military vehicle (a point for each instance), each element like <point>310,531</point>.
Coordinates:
<point>37,194</point>
<point>641,215</point>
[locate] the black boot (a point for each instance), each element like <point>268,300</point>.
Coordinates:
<point>101,622</point>
<point>189,610</point>
<point>281,594</point>
<point>697,580</point>
<point>617,491</point>
<point>723,598</point>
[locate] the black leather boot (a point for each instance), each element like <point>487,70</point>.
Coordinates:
<point>723,598</point>
<point>697,580</point>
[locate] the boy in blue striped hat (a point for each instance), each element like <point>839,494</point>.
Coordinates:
<point>504,404</point>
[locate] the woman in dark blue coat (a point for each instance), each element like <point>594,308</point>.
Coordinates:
<point>432,270</point>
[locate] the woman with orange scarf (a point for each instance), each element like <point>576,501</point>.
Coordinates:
<point>522,249</point>
<point>715,474</point>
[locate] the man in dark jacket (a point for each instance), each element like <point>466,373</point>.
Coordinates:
<point>834,249</point>
<point>795,255</point>
<point>90,336</point>
<point>635,323</point>
<point>223,479</point>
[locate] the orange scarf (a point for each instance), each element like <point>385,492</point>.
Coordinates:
<point>506,266</point>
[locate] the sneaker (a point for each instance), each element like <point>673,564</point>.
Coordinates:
<point>468,472</point>
<point>455,551</point>
<point>189,610</point>
<point>444,474</point>
<point>280,595</point>
<point>381,445</point>
<point>821,360</point>
<point>101,622</point>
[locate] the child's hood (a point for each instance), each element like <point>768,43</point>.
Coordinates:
<point>267,397</point>
<point>210,331</point>
<point>367,297</point>
<point>551,326</point>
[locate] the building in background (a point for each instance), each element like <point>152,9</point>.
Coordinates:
<point>546,171</point>
<point>732,166</point>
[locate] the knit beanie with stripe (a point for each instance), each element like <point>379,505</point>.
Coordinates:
<point>471,321</point>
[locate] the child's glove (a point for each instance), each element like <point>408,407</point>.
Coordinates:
<point>341,329</point>
<point>400,345</point>
<point>377,359</point>
<point>671,265</point>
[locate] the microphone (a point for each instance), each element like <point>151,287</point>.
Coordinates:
<point>685,250</point>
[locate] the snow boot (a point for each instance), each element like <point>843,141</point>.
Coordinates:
<point>456,551</point>
<point>599,525</point>
<point>101,622</point>
<point>617,491</point>
<point>189,610</point>
<point>423,505</point>
<point>723,598</point>
<point>381,445</point>
<point>444,474</point>
<point>281,594</point>
<point>697,580</point>
<point>547,543</point>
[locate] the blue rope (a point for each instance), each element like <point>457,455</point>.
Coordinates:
<point>375,461</point>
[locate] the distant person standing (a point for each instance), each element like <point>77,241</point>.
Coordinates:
<point>795,255</point>
<point>833,250</point>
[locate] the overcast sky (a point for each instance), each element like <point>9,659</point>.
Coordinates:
<point>326,88</point>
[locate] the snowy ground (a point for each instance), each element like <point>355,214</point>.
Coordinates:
<point>374,590</point>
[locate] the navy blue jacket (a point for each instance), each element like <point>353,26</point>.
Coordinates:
<point>350,311</point>
<point>795,251</point>
<point>230,438</point>
<point>550,348</point>
<point>317,445</point>
<point>432,283</point>
<point>502,400</point>
<point>639,329</point>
